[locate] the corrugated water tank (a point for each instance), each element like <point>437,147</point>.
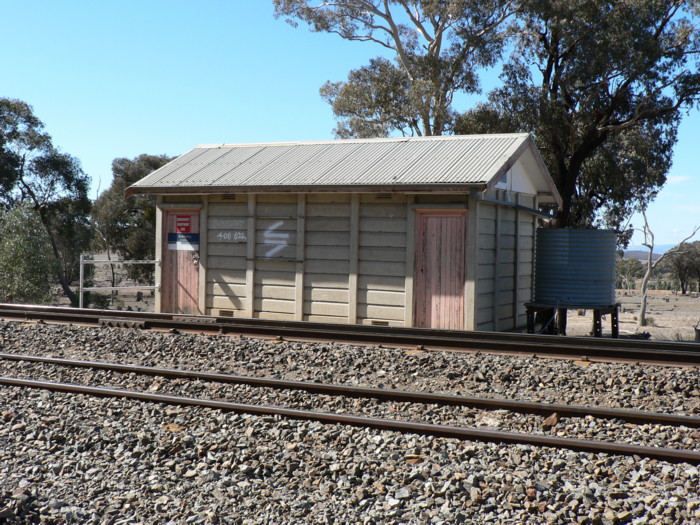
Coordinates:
<point>575,268</point>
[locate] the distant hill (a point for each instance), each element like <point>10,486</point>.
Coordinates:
<point>661,248</point>
<point>641,254</point>
<point>634,251</point>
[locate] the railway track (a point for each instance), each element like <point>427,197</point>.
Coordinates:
<point>439,430</point>
<point>586,348</point>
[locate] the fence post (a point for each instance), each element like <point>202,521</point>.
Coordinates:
<point>80,284</point>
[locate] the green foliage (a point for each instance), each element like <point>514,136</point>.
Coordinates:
<point>678,269</point>
<point>19,128</point>
<point>627,271</point>
<point>27,265</point>
<point>362,101</point>
<point>684,266</point>
<point>438,48</point>
<point>35,173</point>
<point>602,86</point>
<point>95,300</point>
<point>127,226</point>
<point>70,222</point>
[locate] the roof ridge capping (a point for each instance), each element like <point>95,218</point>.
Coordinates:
<point>489,136</point>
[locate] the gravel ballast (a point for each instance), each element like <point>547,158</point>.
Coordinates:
<point>78,459</point>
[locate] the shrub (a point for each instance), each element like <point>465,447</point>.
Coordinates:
<point>27,263</point>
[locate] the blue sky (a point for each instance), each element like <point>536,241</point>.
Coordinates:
<point>117,79</point>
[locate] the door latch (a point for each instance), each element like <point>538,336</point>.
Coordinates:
<point>195,258</point>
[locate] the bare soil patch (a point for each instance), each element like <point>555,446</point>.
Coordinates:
<point>136,300</point>
<point>671,316</point>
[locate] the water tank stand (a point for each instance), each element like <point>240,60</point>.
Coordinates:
<point>531,309</point>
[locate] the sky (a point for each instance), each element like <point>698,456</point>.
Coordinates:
<point>118,79</point>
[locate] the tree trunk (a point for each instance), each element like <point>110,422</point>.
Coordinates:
<point>114,276</point>
<point>642,318</point>
<point>65,285</point>
<point>651,264</point>
<point>563,216</point>
<point>66,289</point>
<point>45,221</point>
<point>567,188</point>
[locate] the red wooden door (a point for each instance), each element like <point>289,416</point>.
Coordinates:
<point>180,272</point>
<point>439,270</point>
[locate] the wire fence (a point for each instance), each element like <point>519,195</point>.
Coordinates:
<point>84,262</point>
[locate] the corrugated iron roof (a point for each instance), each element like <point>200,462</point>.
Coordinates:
<point>459,160</point>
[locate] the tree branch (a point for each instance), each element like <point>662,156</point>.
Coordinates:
<point>415,20</point>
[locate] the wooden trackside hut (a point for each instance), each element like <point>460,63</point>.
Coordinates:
<point>429,231</point>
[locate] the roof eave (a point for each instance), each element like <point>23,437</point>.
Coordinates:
<point>216,190</point>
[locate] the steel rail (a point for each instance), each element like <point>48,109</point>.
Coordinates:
<point>539,339</point>
<point>522,407</point>
<point>94,315</point>
<point>687,354</point>
<point>32,311</point>
<point>462,433</point>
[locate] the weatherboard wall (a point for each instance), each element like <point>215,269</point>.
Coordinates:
<point>504,262</point>
<point>348,258</point>
<point>316,257</point>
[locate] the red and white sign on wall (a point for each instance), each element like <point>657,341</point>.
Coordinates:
<point>183,223</point>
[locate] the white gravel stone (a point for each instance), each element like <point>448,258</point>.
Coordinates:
<point>73,458</point>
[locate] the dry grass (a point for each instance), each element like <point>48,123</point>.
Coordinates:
<point>673,316</point>
<point>119,300</point>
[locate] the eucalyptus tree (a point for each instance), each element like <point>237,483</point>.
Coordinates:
<point>653,264</point>
<point>685,265</point>
<point>437,47</point>
<point>34,172</point>
<point>695,263</point>
<point>603,86</point>
<point>27,265</point>
<point>628,270</point>
<point>680,265</point>
<point>127,226</point>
